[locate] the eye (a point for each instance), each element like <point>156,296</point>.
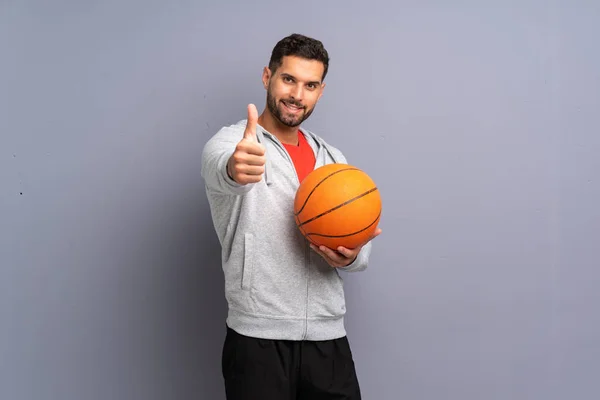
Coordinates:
<point>287,79</point>
<point>311,86</point>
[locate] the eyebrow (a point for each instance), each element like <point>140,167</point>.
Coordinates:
<point>285,75</point>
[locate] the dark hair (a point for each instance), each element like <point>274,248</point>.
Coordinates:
<point>300,46</point>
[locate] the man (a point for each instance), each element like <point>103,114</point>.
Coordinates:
<point>285,325</point>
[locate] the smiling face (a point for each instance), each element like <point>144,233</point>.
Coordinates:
<point>294,89</point>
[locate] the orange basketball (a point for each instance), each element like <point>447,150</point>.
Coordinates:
<point>337,205</point>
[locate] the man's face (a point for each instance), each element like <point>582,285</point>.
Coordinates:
<point>294,89</point>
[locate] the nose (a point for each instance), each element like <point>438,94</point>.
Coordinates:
<point>297,92</point>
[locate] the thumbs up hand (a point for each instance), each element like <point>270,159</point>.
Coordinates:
<point>247,163</point>
<point>250,132</point>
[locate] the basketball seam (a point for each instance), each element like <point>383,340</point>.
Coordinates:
<point>318,184</point>
<point>299,226</point>
<point>348,234</point>
<point>339,206</point>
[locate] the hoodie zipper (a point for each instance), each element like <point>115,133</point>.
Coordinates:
<point>307,247</point>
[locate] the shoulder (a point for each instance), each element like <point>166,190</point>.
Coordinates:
<point>225,137</point>
<point>224,140</point>
<point>233,131</point>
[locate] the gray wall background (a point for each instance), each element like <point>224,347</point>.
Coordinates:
<point>476,121</point>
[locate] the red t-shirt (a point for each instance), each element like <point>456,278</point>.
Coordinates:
<point>302,156</point>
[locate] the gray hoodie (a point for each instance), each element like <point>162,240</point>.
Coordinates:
<point>276,287</point>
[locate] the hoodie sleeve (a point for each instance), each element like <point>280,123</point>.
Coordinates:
<point>362,260</point>
<point>215,155</point>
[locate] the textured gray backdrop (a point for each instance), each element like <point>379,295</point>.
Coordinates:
<point>476,121</point>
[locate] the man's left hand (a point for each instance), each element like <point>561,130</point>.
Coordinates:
<point>343,256</point>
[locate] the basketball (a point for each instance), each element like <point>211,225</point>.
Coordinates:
<point>337,205</point>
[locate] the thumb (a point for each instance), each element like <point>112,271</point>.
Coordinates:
<point>250,132</point>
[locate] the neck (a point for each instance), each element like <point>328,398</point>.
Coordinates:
<point>285,134</point>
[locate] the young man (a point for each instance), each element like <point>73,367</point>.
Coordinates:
<point>285,325</point>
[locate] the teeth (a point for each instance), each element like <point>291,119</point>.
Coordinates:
<point>292,106</point>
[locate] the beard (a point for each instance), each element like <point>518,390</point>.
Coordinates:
<point>282,115</point>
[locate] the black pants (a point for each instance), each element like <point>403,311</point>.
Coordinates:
<point>261,369</point>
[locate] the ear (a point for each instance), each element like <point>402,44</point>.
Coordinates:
<point>322,89</point>
<point>266,76</point>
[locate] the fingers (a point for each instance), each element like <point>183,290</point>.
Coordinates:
<point>244,169</point>
<point>376,233</point>
<point>343,256</point>
<point>322,253</point>
<point>333,258</point>
<point>249,159</point>
<point>347,252</point>
<point>248,178</point>
<point>251,147</point>
<point>250,132</point>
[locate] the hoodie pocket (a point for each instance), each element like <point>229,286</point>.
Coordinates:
<point>248,261</point>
